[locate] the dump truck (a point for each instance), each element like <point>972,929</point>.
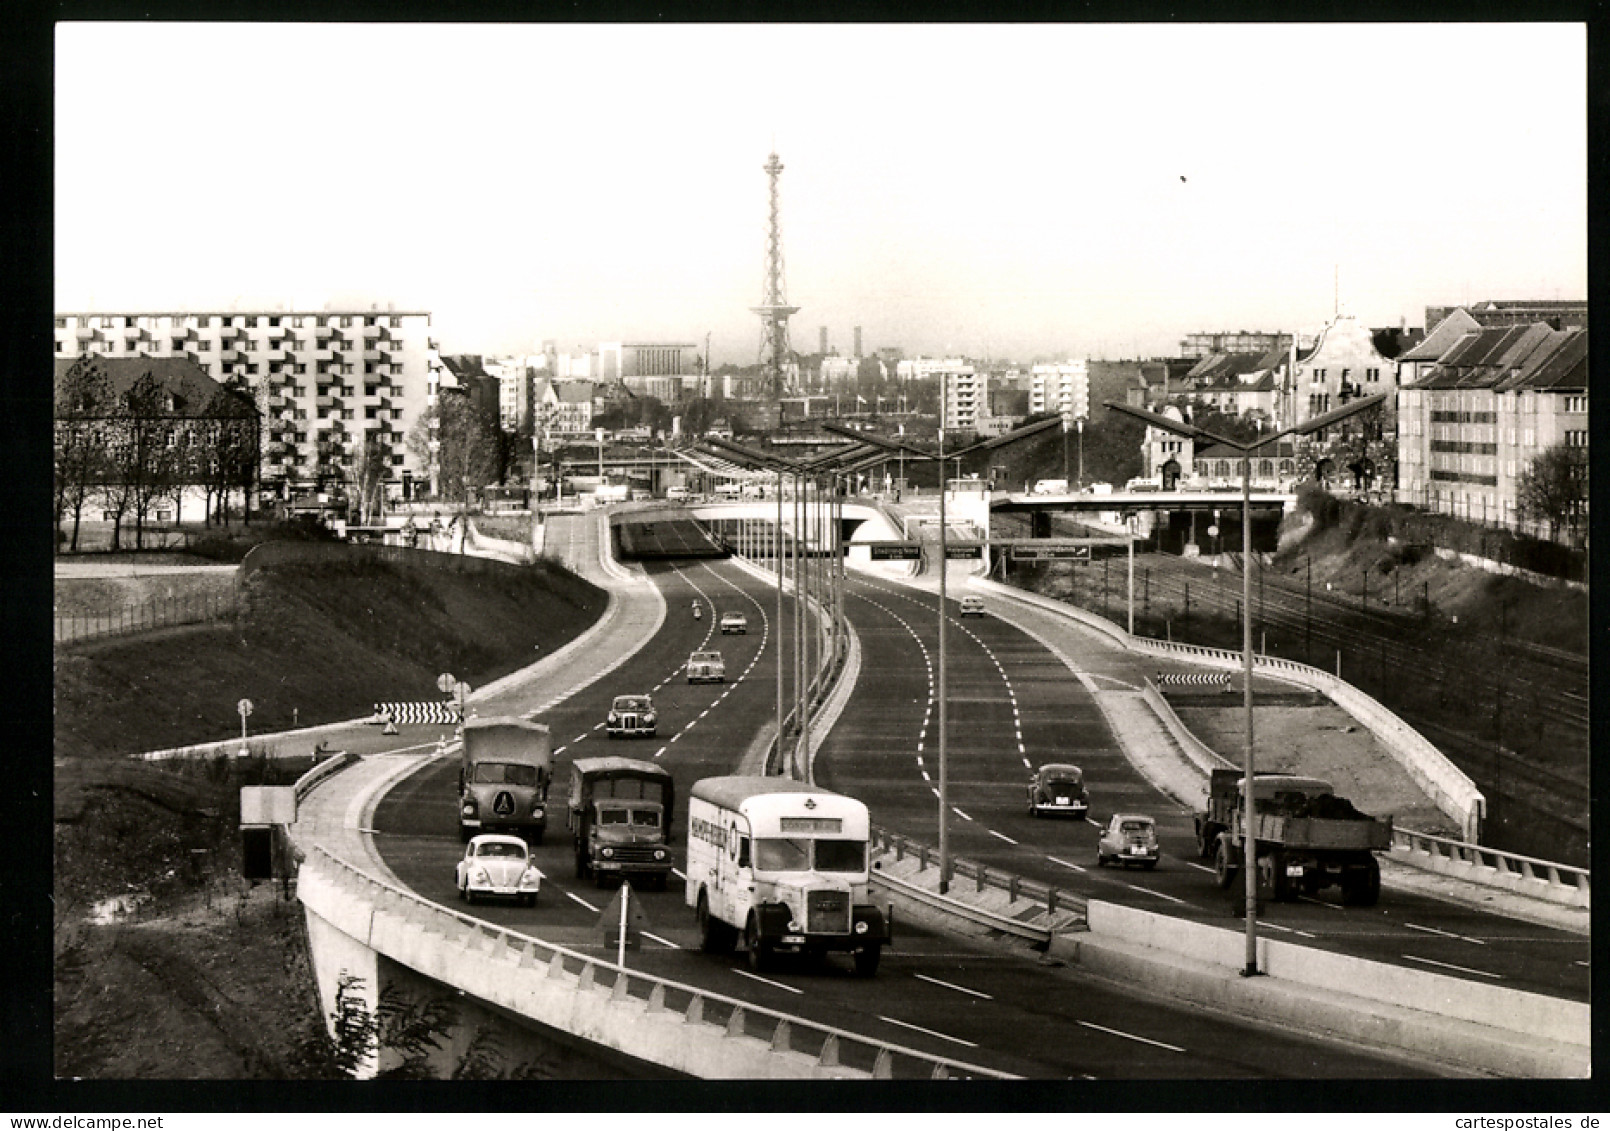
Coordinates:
<point>1307,838</point>
<point>503,782</point>
<point>620,816</point>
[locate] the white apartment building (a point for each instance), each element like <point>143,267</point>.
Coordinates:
<point>964,392</point>
<point>1062,388</point>
<point>324,380</point>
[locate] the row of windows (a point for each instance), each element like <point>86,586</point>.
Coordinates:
<point>1464,477</point>
<point>1465,447</point>
<point>202,321</point>
<point>1576,437</point>
<point>1451,416</point>
<point>1577,402</point>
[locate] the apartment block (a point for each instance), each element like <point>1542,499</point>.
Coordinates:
<point>1063,388</point>
<point>325,382</point>
<point>1497,399</point>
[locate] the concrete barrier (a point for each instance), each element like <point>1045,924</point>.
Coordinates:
<point>1501,1030</point>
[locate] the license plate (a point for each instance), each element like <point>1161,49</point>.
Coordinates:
<point>1062,801</point>
<point>793,940</point>
<point>1295,871</point>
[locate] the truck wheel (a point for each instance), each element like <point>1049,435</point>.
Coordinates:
<point>1207,842</point>
<point>715,937</point>
<point>866,960</point>
<point>1361,886</point>
<point>1224,870</point>
<point>1272,873</point>
<point>759,951</point>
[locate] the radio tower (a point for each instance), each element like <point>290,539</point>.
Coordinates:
<point>774,309</point>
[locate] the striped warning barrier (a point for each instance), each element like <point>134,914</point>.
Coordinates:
<point>406,714</point>
<point>1219,678</point>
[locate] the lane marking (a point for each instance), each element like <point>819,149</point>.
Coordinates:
<point>1003,836</point>
<point>584,903</point>
<point>679,874</point>
<point>767,981</point>
<point>1130,1036</point>
<point>962,815</point>
<point>1444,934</point>
<point>1451,966</point>
<point>1158,894</point>
<point>1200,867</point>
<point>1065,864</point>
<point>954,986</point>
<point>666,942</point>
<point>929,1032</point>
<point>662,750</point>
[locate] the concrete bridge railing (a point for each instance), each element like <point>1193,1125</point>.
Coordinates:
<point>685,1029</point>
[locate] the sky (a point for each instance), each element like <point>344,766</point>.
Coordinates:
<point>1001,191</point>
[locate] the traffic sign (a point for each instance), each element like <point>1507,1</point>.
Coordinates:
<point>896,551</point>
<point>445,683</point>
<point>244,707</point>
<point>957,552</point>
<point>1050,553</point>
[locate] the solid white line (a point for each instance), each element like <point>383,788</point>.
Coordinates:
<point>681,875</point>
<point>1065,864</point>
<point>962,815</point>
<point>1131,1036</point>
<point>1444,934</point>
<point>954,986</point>
<point>665,942</point>
<point>1158,894</point>
<point>929,1032</point>
<point>583,902</point>
<point>1199,867</point>
<point>1451,966</point>
<point>767,981</point>
<point>1003,836</point>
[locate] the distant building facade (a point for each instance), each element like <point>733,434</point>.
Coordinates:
<point>1203,343</point>
<point>1557,313</point>
<point>324,380</point>
<point>1061,387</point>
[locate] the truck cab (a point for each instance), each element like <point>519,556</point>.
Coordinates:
<point>620,816</point>
<point>503,780</point>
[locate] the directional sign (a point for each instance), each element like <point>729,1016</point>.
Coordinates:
<point>896,551</point>
<point>445,683</point>
<point>1050,553</point>
<point>244,707</point>
<point>964,550</point>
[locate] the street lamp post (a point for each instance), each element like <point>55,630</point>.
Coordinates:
<point>1191,431</point>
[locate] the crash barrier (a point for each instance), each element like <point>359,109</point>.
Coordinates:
<point>407,714</point>
<point>1444,783</point>
<point>1168,679</point>
<point>1514,1025</point>
<point>1202,756</point>
<point>158,612</point>
<point>980,878</point>
<point>1540,879</point>
<point>680,1027</point>
<point>484,545</point>
<point>322,770</point>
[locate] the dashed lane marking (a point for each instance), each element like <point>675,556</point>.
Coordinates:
<point>662,942</point>
<point>1003,836</point>
<point>768,981</point>
<point>1065,864</point>
<point>1451,966</point>
<point>928,1032</point>
<point>1444,934</point>
<point>954,986</point>
<point>1130,1036</point>
<point>584,903</point>
<point>1158,894</point>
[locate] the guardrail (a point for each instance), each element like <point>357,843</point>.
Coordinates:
<point>327,768</point>
<point>724,1035</point>
<point>1542,879</point>
<point>1015,886</point>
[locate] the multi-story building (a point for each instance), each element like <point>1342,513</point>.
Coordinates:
<point>1558,313</point>
<point>1202,343</point>
<point>1063,387</point>
<point>1420,360</point>
<point>1496,400</point>
<point>326,382</point>
<point>630,360</point>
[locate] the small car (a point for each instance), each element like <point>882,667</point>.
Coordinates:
<point>734,622</point>
<point>1058,788</point>
<point>497,865</point>
<point>631,716</point>
<point>1129,838</point>
<point>706,667</point>
<point>972,606</point>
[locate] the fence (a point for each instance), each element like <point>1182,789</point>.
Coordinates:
<point>1015,886</point>
<point>158,612</point>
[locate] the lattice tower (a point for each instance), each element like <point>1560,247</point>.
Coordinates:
<point>774,309</point>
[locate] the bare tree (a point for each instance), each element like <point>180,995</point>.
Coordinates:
<point>1553,489</point>
<point>366,467</point>
<point>83,400</point>
<point>465,457</point>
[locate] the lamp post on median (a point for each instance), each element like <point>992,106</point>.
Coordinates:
<point>1190,431</point>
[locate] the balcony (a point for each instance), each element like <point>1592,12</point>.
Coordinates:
<point>375,355</point>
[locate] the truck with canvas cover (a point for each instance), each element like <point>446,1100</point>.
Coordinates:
<point>503,782</point>
<point>784,866</point>
<point>1306,838</point>
<point>620,816</point>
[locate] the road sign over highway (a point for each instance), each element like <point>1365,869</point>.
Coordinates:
<point>896,551</point>
<point>1050,553</point>
<point>963,550</point>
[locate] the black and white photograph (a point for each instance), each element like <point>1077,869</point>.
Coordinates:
<point>962,556</point>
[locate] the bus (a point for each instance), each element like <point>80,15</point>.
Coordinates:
<point>784,866</point>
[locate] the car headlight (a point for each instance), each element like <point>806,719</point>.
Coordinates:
<point>469,807</point>
<point>530,877</point>
<point>536,810</point>
<point>614,718</point>
<point>648,719</point>
<point>861,927</point>
<point>659,854</point>
<point>607,853</point>
<point>479,876</point>
<point>795,926</point>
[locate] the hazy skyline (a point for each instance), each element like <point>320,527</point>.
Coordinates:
<point>1002,190</point>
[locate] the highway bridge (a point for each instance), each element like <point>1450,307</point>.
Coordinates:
<point>1025,686</point>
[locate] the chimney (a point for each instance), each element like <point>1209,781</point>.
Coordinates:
<point>823,349</point>
<point>858,341</point>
